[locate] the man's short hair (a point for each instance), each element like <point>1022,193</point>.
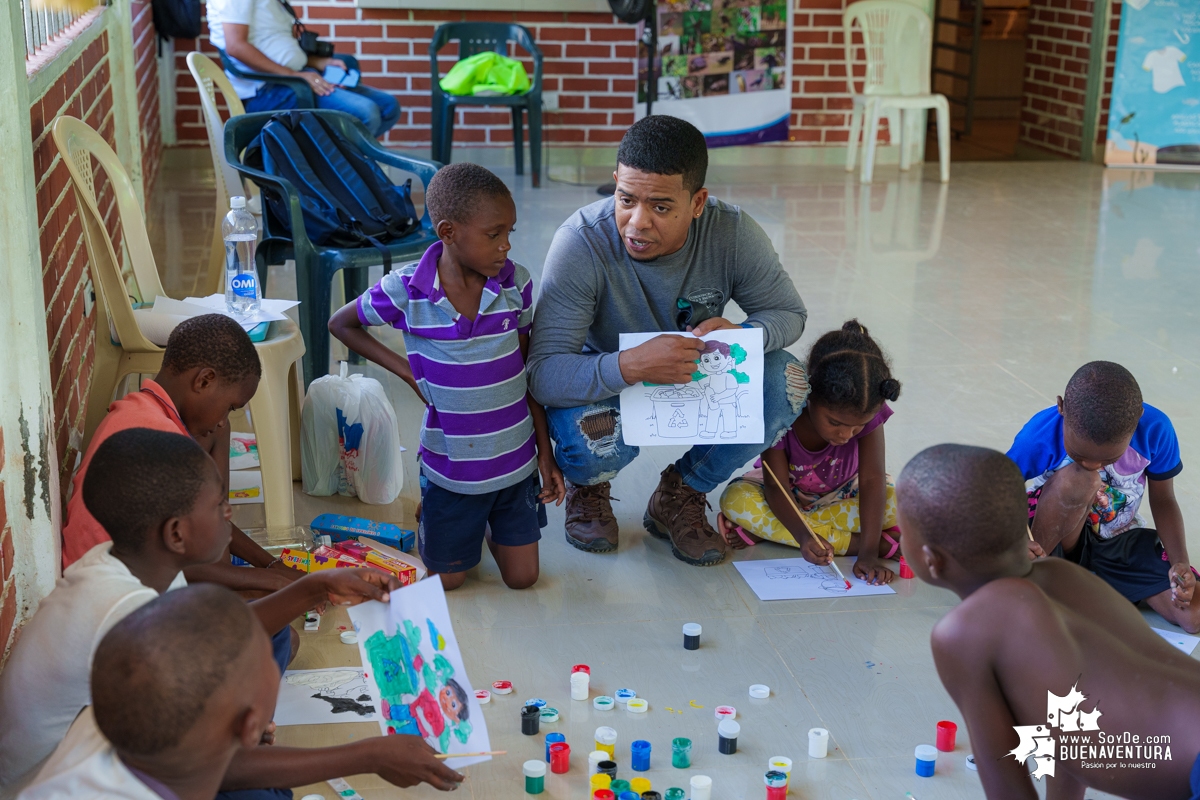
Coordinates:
<point>664,145</point>
<point>457,190</point>
<point>215,341</point>
<point>156,669</point>
<point>139,478</point>
<point>969,501</point>
<point>1103,402</point>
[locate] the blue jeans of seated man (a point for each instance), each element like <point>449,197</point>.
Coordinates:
<point>378,111</point>
<point>589,449</point>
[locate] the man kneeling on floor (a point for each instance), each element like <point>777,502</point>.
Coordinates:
<point>1044,659</point>
<point>631,264</point>
<point>161,499</point>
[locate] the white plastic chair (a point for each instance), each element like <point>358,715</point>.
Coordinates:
<point>275,407</point>
<point>211,81</point>
<point>898,40</point>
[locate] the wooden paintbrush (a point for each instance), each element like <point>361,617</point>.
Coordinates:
<point>803,521</point>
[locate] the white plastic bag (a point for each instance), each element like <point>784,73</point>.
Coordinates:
<point>350,440</point>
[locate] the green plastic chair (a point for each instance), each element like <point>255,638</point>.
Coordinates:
<point>316,266</point>
<point>478,37</point>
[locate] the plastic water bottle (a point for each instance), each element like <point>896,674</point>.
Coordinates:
<point>240,232</point>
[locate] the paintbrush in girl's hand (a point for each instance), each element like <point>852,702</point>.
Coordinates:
<point>803,521</point>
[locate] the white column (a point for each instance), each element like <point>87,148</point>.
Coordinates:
<point>124,88</point>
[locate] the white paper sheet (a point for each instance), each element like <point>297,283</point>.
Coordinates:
<point>723,404</point>
<point>412,658</point>
<point>1180,641</point>
<point>796,579</point>
<point>245,486</point>
<point>318,696</point>
<point>270,309</point>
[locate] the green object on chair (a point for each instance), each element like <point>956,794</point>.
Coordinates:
<point>486,75</point>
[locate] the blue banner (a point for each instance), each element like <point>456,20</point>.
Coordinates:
<point>1154,118</point>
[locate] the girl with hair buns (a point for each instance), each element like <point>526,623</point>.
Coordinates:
<point>832,461</point>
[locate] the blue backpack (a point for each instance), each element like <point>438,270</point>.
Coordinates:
<point>345,198</point>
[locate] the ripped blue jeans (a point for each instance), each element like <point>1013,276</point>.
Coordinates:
<point>589,449</point>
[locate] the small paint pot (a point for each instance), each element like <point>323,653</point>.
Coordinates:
<point>579,685</point>
<point>607,768</point>
<point>639,755</point>
<point>629,794</point>
<point>818,743</point>
<point>594,759</point>
<point>640,785</point>
<point>623,696</point>
<point>727,735</point>
<point>348,637</point>
<point>651,795</point>
<point>502,687</point>
<point>691,636</point>
<point>606,740</point>
<point>926,760</point>
<point>603,703</point>
<point>637,705</point>
<point>601,780</point>
<point>551,738</point>
<point>560,757</point>
<point>619,786</point>
<point>780,764</point>
<point>675,793</point>
<point>483,696</point>
<point>971,765</point>
<point>531,717</point>
<point>701,786</point>
<point>581,668</point>
<point>946,732</point>
<point>549,715</point>
<point>603,794</point>
<point>905,570</point>
<point>776,785</point>
<point>681,752</point>
<point>725,712</point>
<point>760,691</point>
<point>536,701</point>
<point>535,776</point>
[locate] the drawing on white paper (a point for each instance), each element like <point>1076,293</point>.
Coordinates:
<point>721,404</point>
<point>317,696</point>
<point>796,579</point>
<point>1180,641</point>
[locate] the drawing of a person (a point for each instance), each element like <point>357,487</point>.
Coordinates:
<point>720,390</point>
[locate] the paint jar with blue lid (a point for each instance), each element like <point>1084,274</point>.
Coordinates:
<point>926,760</point>
<point>551,738</point>
<point>639,755</point>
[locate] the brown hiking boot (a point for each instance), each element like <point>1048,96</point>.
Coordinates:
<point>591,526</point>
<point>677,512</point>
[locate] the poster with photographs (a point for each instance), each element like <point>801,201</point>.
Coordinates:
<point>724,60</point>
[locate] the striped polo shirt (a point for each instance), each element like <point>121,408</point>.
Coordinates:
<point>477,435</point>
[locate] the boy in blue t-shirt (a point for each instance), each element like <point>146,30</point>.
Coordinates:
<point>1087,465</point>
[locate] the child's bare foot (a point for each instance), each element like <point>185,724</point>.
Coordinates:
<point>735,537</point>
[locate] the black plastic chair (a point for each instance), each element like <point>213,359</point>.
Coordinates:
<point>317,265</point>
<point>304,92</point>
<point>480,37</point>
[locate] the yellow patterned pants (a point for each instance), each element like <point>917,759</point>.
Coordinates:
<point>833,516</point>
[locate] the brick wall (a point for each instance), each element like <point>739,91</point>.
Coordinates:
<point>84,92</point>
<point>1056,66</point>
<point>820,101</point>
<point>145,54</point>
<point>1110,68</point>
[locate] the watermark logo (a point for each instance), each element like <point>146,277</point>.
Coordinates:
<point>1073,735</point>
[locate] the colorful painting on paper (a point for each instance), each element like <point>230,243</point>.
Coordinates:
<point>412,658</point>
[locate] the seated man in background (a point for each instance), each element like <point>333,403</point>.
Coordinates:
<point>258,35</point>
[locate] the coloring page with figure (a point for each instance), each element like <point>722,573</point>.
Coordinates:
<point>411,658</point>
<point>722,404</point>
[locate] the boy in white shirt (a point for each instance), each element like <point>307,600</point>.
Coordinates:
<point>161,499</point>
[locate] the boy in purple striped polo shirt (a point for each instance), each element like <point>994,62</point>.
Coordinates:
<point>465,310</point>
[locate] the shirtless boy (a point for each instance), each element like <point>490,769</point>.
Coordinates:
<point>1026,628</point>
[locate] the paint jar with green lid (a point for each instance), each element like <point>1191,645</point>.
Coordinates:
<point>619,786</point>
<point>674,793</point>
<point>535,776</point>
<point>681,753</point>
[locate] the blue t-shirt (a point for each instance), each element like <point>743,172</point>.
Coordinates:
<point>1153,453</point>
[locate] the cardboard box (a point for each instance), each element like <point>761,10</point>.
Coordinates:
<point>339,527</point>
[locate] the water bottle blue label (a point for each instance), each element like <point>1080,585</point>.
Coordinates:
<point>245,285</point>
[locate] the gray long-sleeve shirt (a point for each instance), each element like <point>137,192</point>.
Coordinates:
<point>592,291</point>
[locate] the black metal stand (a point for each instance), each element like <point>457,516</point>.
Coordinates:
<point>650,40</point>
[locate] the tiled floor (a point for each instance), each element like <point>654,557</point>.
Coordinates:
<point>987,293</point>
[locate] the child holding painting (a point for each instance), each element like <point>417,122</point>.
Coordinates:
<point>832,461</point>
<point>466,311</point>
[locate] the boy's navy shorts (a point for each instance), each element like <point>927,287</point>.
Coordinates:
<point>450,535</point>
<point>1132,562</point>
